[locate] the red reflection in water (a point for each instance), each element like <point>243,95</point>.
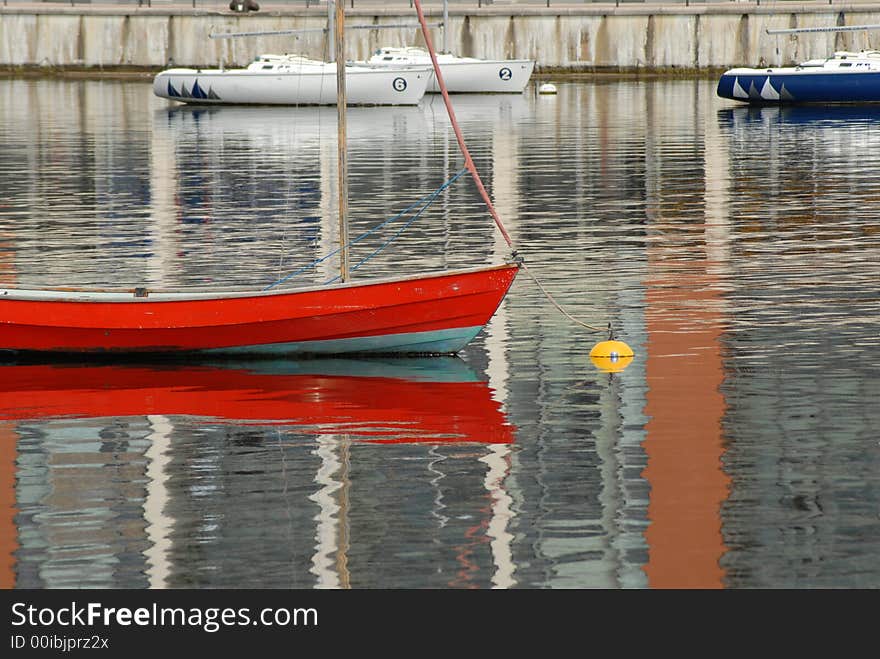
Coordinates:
<point>683,437</point>
<point>381,404</point>
<point>369,401</point>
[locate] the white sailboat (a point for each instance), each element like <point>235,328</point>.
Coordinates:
<point>845,77</point>
<point>292,80</point>
<point>461,74</point>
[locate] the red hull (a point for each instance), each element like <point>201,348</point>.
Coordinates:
<point>377,402</point>
<point>431,314</point>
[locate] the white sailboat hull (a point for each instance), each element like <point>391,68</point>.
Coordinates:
<point>461,74</point>
<point>274,83</point>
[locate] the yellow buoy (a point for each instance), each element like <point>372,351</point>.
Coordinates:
<point>611,349</point>
<point>611,356</point>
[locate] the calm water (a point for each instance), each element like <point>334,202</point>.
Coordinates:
<point>736,250</point>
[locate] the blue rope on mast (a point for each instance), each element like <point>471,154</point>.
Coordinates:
<point>424,202</point>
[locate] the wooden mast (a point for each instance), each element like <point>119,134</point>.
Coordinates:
<point>344,273</point>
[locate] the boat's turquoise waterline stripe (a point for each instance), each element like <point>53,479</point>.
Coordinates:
<point>443,342</point>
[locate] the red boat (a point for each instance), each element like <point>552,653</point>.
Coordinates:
<point>380,401</point>
<point>435,313</point>
<point>428,314</point>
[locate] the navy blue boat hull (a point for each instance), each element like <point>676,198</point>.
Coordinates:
<point>772,87</point>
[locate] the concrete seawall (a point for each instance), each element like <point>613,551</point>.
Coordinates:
<point>576,39</point>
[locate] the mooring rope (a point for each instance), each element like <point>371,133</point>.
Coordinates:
<point>559,306</point>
